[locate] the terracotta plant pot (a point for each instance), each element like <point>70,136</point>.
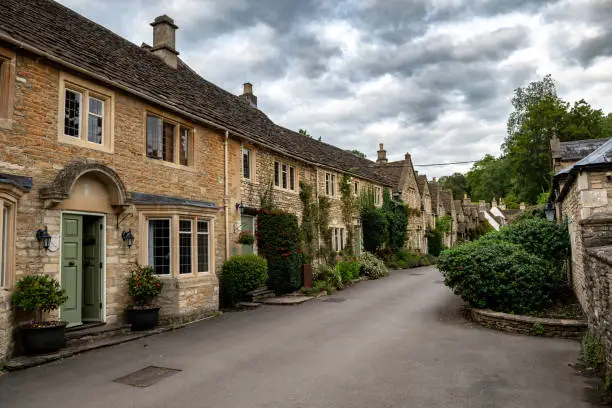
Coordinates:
<point>42,339</point>
<point>142,319</point>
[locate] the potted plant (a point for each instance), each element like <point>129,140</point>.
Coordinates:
<point>246,238</point>
<point>143,287</point>
<point>40,294</point>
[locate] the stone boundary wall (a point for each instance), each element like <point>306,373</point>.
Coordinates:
<point>532,326</point>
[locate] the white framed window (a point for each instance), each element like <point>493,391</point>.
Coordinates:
<point>246,163</point>
<point>86,114</point>
<point>185,146</point>
<point>203,246</point>
<point>160,245</point>
<point>338,237</point>
<point>285,176</point>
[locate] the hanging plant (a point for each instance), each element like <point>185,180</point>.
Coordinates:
<point>246,238</point>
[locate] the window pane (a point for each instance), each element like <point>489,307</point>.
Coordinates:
<point>154,137</point>
<point>3,246</point>
<point>284,176</point>
<point>95,120</point>
<point>292,178</point>
<point>333,184</point>
<point>184,146</point>
<point>203,246</point>
<point>72,113</point>
<point>168,141</point>
<point>185,243</point>
<point>276,174</point>
<point>327,180</point>
<point>246,163</point>
<point>159,246</point>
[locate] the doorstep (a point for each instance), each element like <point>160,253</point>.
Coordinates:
<point>72,349</point>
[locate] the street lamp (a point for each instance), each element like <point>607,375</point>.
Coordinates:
<point>550,212</point>
<point>128,238</point>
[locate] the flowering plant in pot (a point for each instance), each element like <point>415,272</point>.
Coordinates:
<point>39,294</point>
<point>246,238</point>
<point>143,287</point>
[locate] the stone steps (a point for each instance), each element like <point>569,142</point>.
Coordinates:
<point>259,294</point>
<point>79,335</point>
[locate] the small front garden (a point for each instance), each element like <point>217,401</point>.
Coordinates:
<point>520,269</point>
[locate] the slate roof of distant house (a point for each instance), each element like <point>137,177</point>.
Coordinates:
<point>421,182</point>
<point>392,172</point>
<point>602,155</point>
<point>447,200</point>
<point>70,37</point>
<point>577,149</point>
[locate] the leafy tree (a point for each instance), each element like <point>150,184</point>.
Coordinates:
<point>357,153</point>
<point>489,178</point>
<point>304,132</point>
<point>457,183</point>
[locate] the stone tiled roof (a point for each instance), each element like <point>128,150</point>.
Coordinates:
<point>421,182</point>
<point>577,149</point>
<point>434,192</point>
<point>71,39</point>
<point>392,171</point>
<point>447,200</point>
<point>458,207</point>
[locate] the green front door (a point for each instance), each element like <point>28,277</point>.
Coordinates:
<point>72,273</point>
<point>92,268</point>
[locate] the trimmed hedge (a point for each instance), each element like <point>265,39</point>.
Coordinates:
<point>278,240</point>
<point>375,228</point>
<point>241,274</point>
<point>548,240</point>
<point>499,275</point>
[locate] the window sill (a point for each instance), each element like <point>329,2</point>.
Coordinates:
<point>285,190</point>
<point>86,145</point>
<point>171,164</point>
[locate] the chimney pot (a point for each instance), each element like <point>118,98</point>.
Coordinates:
<point>382,155</point>
<point>164,40</point>
<point>248,95</point>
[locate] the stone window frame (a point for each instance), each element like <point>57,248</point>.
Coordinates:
<point>279,164</point>
<point>8,64</point>
<point>338,238</point>
<point>178,125</point>
<point>9,197</point>
<point>175,214</point>
<point>356,188</point>
<point>331,183</point>
<point>86,89</point>
<point>377,195</point>
<point>252,163</point>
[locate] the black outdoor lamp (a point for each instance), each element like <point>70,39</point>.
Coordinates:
<point>550,212</point>
<point>44,237</point>
<point>239,206</point>
<point>128,238</point>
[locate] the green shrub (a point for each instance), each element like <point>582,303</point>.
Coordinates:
<point>348,269</point>
<point>372,267</point>
<point>38,293</point>
<point>593,352</point>
<point>404,259</point>
<point>375,228</point>
<point>329,275</point>
<point>278,240</point>
<point>434,242</point>
<point>548,240</point>
<point>143,285</point>
<point>397,221</point>
<point>241,274</point>
<point>499,275</point>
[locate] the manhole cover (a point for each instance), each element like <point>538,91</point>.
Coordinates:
<point>147,376</point>
<point>334,300</point>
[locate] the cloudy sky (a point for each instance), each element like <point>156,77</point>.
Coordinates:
<point>429,77</point>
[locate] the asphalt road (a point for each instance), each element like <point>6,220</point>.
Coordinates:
<point>396,342</point>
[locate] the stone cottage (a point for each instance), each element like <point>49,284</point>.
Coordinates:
<point>403,178</point>
<point>446,197</point>
<point>427,217</point>
<point>128,141</point>
<point>582,191</point>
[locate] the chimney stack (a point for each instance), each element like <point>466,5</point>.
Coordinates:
<point>247,94</point>
<point>382,155</point>
<point>164,39</point>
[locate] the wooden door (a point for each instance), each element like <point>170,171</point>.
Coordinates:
<point>93,241</point>
<point>71,268</point>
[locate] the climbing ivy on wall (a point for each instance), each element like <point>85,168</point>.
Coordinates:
<point>309,229</point>
<point>350,207</point>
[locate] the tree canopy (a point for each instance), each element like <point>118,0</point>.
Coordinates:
<point>457,183</point>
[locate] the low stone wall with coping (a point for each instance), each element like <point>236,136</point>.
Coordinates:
<point>532,326</point>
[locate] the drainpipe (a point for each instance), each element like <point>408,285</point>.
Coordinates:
<point>226,194</point>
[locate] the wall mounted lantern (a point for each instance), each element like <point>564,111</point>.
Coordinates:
<point>44,238</point>
<point>128,238</point>
<point>550,212</point>
<point>239,206</point>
